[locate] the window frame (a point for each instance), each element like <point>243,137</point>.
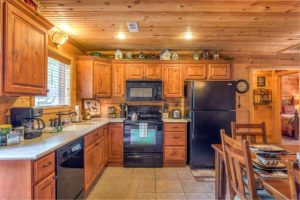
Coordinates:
<point>54,109</point>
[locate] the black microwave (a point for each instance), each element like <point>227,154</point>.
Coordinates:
<point>143,90</point>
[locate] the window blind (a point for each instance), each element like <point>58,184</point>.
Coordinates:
<point>58,83</point>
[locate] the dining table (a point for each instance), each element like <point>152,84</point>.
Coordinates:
<point>277,187</point>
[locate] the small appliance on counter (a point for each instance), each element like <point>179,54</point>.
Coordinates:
<point>29,118</point>
<point>176,114</point>
<point>166,111</point>
<point>123,112</point>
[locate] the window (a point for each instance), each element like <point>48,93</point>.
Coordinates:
<point>58,83</point>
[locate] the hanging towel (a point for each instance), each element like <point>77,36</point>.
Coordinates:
<point>143,129</point>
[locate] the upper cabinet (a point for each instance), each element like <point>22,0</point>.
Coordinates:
<point>147,71</point>
<point>93,77</point>
<point>219,71</point>
<point>118,80</point>
<point>172,80</point>
<point>25,50</point>
<point>195,71</point>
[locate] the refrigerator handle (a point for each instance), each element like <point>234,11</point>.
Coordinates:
<point>193,124</point>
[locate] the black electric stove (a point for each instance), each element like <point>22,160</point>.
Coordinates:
<point>143,138</point>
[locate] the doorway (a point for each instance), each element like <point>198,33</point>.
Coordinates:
<point>289,99</point>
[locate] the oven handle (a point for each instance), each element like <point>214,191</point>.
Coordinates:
<point>137,123</point>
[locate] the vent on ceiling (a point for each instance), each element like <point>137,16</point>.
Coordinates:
<point>133,27</point>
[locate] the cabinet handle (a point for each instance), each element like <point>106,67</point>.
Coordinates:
<point>176,137</point>
<point>175,127</point>
<point>47,165</point>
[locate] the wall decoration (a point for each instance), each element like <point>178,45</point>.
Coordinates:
<point>216,56</point>
<point>118,54</point>
<point>142,55</point>
<point>242,86</point>
<point>129,55</point>
<point>196,56</point>
<point>174,56</point>
<point>165,55</point>
<point>261,81</point>
<point>205,54</point>
<point>154,57</point>
<point>93,106</point>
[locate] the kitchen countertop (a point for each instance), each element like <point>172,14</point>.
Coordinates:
<point>48,142</point>
<point>170,120</point>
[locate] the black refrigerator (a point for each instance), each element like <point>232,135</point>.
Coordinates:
<point>209,106</point>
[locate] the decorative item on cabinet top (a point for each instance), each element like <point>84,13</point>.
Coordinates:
<point>165,55</point>
<point>118,54</point>
<point>196,56</point>
<point>174,56</point>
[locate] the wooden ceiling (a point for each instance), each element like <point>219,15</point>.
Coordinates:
<point>228,25</point>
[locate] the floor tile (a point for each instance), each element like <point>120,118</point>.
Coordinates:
<point>144,173</point>
<point>168,186</point>
<point>170,196</point>
<point>166,173</point>
<point>198,187</point>
<point>146,186</point>
<point>184,174</point>
<point>146,196</point>
<point>200,196</point>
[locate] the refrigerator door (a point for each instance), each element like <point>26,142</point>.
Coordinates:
<point>188,96</point>
<point>204,131</point>
<point>214,95</point>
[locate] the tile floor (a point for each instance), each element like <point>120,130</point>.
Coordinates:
<point>149,183</point>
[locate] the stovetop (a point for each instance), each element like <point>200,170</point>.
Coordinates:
<point>147,114</point>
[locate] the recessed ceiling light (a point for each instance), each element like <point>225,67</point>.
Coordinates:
<point>121,36</point>
<point>188,36</point>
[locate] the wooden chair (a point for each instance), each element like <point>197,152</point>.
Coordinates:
<point>238,167</point>
<point>249,132</point>
<point>294,180</point>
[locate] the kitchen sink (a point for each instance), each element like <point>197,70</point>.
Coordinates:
<point>76,127</point>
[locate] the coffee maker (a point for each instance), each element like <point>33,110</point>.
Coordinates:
<point>29,118</point>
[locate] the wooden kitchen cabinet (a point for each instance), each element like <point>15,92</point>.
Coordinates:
<point>175,144</point>
<point>195,71</point>
<point>219,71</point>
<point>94,152</point>
<point>93,77</point>
<point>26,50</point>
<point>102,79</point>
<point>118,79</point>
<point>172,80</point>
<point>46,188</point>
<point>146,71</point>
<point>115,144</point>
<point>105,131</point>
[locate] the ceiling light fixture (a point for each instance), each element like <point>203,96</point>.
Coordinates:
<point>188,36</point>
<point>59,38</point>
<point>121,36</point>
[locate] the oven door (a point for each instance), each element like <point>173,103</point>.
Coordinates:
<point>143,90</point>
<point>141,139</point>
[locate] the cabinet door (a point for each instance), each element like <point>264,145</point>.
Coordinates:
<point>152,71</point>
<point>134,71</point>
<point>98,156</point>
<point>172,80</point>
<point>115,143</point>
<point>102,79</point>
<point>118,79</point>
<point>89,166</point>
<point>46,188</point>
<point>105,144</point>
<point>219,71</point>
<point>195,72</point>
<point>26,53</point>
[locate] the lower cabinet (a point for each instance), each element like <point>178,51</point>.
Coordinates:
<point>46,188</point>
<point>115,144</point>
<point>175,144</point>
<point>93,156</point>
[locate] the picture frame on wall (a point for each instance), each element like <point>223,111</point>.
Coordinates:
<point>93,106</point>
<point>261,81</point>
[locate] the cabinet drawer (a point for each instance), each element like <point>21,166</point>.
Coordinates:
<point>92,137</point>
<point>175,127</point>
<point>175,154</point>
<point>175,138</point>
<point>44,167</point>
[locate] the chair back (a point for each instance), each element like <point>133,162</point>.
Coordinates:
<point>238,164</point>
<point>294,180</point>
<point>249,132</point>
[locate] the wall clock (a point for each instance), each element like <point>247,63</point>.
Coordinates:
<point>242,86</point>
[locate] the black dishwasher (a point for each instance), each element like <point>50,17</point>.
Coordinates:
<point>70,171</point>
